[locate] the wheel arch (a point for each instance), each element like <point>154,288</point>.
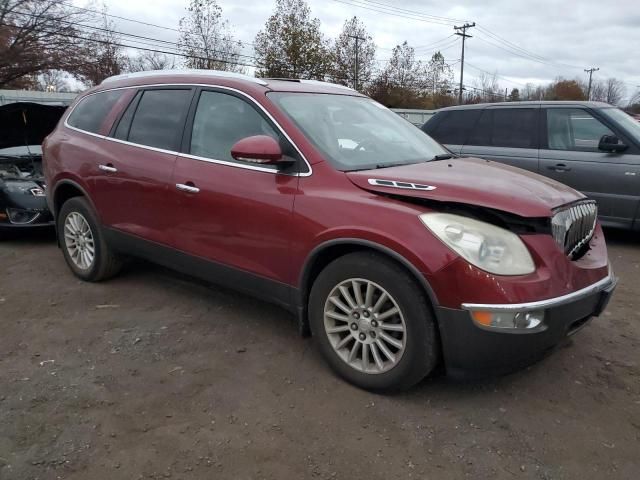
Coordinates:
<point>329,251</point>
<point>66,189</point>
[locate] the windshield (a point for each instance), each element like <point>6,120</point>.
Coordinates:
<point>630,125</point>
<point>357,133</point>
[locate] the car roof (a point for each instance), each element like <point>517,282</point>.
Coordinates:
<point>575,103</point>
<point>239,81</point>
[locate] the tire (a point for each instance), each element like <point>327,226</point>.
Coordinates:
<point>420,349</point>
<point>105,263</point>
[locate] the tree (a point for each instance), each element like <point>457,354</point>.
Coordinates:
<point>344,55</point>
<point>615,91</point>
<point>487,88</point>
<point>101,53</point>
<point>206,39</point>
<point>151,61</point>
<point>292,45</point>
<point>36,36</point>
<point>565,90</point>
<point>402,83</point>
<point>514,96</point>
<point>439,75</point>
<point>52,81</point>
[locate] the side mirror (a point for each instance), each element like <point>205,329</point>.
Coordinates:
<point>611,143</point>
<point>260,149</point>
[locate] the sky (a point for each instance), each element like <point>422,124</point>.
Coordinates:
<point>520,41</point>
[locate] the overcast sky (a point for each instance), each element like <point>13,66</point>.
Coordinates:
<point>566,36</point>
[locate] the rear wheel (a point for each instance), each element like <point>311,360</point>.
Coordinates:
<point>83,244</point>
<point>372,322</point>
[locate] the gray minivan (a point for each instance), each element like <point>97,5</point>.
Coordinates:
<point>590,146</point>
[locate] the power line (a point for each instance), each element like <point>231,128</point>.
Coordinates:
<point>391,11</point>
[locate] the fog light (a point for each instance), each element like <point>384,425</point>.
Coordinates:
<point>512,320</point>
<point>20,216</point>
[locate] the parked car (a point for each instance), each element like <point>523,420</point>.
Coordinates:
<point>590,146</point>
<point>310,195</point>
<point>22,187</point>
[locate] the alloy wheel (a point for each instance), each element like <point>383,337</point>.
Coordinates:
<point>79,240</point>
<point>365,326</point>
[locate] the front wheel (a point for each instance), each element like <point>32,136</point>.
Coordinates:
<point>83,244</point>
<point>372,322</point>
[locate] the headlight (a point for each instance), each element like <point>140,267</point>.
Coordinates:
<point>486,246</point>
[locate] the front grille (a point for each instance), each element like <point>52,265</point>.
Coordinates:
<point>573,227</point>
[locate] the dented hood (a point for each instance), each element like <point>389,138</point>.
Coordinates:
<point>473,181</point>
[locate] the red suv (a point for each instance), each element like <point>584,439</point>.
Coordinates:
<point>391,251</point>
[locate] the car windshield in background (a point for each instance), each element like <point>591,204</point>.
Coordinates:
<point>631,126</point>
<point>357,133</point>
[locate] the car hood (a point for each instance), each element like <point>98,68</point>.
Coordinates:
<point>471,181</point>
<point>26,123</point>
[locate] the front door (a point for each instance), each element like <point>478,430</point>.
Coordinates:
<point>235,215</point>
<point>571,156</point>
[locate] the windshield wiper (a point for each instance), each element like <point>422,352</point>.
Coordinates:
<point>444,156</point>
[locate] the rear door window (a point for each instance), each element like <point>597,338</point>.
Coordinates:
<point>574,129</point>
<point>90,113</point>
<point>507,127</point>
<point>455,126</point>
<point>158,120</point>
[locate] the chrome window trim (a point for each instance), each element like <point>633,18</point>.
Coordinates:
<point>600,285</point>
<point>195,157</point>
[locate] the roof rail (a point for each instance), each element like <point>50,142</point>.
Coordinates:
<point>209,73</point>
<point>319,82</point>
<point>312,82</point>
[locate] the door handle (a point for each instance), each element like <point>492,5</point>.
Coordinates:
<point>185,187</point>
<point>559,167</point>
<point>108,168</point>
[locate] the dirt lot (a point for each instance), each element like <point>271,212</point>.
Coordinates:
<point>153,375</point>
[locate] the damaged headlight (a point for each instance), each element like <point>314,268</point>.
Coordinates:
<point>486,246</point>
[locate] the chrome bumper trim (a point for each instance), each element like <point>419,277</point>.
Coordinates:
<point>605,283</point>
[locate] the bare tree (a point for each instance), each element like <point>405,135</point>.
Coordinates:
<point>487,88</point>
<point>344,54</point>
<point>151,61</point>
<point>102,53</point>
<point>36,36</point>
<point>53,81</point>
<point>206,39</point>
<point>439,75</point>
<point>615,91</point>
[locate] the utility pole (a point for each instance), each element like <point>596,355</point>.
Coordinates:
<point>590,72</point>
<point>464,36</point>
<point>355,66</point>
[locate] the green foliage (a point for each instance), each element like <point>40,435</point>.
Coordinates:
<point>292,45</point>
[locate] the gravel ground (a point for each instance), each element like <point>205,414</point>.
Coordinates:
<point>154,375</point>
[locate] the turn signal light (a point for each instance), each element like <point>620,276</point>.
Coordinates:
<point>510,320</point>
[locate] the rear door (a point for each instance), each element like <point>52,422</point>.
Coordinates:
<point>506,134</point>
<point>138,160</point>
<point>452,127</point>
<point>570,155</point>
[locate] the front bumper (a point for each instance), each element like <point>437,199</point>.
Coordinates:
<point>471,350</point>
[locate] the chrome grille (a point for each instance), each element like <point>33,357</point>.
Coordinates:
<point>573,227</point>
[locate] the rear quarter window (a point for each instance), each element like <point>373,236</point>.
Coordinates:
<point>506,127</point>
<point>454,127</point>
<point>92,110</point>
